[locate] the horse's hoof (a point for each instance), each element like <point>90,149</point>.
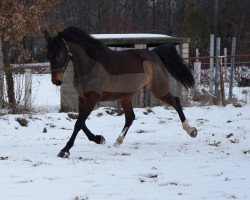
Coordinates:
<point>99,139</point>
<point>194,133</point>
<point>63,154</point>
<point>116,145</point>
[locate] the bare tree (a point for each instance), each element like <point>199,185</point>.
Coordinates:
<point>17,20</point>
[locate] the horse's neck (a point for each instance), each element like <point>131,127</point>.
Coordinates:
<point>97,52</point>
<point>81,61</point>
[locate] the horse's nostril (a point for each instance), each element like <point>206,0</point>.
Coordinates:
<point>58,82</point>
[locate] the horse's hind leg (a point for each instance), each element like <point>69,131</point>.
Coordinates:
<point>175,102</point>
<point>127,107</point>
<point>85,108</point>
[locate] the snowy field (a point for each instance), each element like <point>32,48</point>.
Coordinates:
<point>158,160</point>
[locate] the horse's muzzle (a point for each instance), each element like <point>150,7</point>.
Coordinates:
<point>57,78</point>
<point>58,82</point>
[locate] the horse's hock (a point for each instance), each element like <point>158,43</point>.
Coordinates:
<point>144,98</point>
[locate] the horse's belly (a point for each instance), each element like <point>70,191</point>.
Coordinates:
<point>110,96</point>
<point>125,83</point>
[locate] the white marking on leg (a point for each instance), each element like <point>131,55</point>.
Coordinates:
<point>121,137</point>
<point>192,131</point>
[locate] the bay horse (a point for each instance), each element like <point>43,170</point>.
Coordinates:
<point>101,74</point>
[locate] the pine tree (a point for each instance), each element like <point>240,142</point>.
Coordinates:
<point>195,25</point>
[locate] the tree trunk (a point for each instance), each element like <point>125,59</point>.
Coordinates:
<point>9,80</point>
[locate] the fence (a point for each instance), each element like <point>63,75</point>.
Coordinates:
<point>229,76</point>
<point>23,78</point>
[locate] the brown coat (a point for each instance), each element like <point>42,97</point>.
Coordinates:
<point>124,72</point>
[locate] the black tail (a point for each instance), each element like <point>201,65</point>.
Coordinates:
<point>175,65</point>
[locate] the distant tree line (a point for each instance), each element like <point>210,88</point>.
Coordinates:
<point>184,18</point>
<point>193,19</point>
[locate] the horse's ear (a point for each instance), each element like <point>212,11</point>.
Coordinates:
<point>46,35</point>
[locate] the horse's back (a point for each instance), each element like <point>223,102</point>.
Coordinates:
<point>122,62</point>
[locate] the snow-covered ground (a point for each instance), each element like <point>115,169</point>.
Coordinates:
<point>158,160</point>
<point>45,95</point>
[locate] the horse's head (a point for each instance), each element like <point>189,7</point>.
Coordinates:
<point>58,55</point>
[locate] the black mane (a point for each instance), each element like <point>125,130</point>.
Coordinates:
<point>92,46</point>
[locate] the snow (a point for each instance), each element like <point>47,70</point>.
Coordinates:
<point>157,160</point>
<point>128,36</point>
<point>45,95</point>
<point>45,64</point>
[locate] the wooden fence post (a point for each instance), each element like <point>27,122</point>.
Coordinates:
<point>185,55</point>
<point>222,82</point>
<point>225,64</point>
<point>1,87</point>
<point>211,69</point>
<point>197,72</point>
<point>232,67</point>
<point>197,68</point>
<point>197,76</point>
<point>142,100</point>
<point>28,86</point>
<point>1,76</point>
<point>211,66</point>
<point>217,69</point>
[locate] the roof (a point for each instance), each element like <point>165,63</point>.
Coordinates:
<point>138,38</point>
<point>130,35</point>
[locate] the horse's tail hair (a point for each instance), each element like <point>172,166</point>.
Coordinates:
<point>175,65</point>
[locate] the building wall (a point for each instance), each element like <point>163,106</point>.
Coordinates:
<point>69,97</point>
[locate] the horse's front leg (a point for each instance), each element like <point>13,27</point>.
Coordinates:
<point>86,106</point>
